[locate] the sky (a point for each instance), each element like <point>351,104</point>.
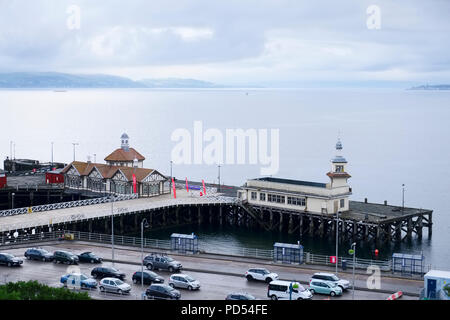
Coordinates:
<point>232,41</point>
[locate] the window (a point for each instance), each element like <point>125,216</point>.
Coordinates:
<point>339,168</point>
<point>253,195</point>
<point>276,198</point>
<point>262,196</point>
<point>297,201</point>
<point>342,203</point>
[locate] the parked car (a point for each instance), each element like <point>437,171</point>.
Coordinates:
<point>330,277</point>
<point>157,261</point>
<point>280,290</point>
<point>114,285</point>
<point>162,292</point>
<point>240,296</point>
<point>79,281</point>
<point>261,274</point>
<point>184,281</point>
<point>9,260</point>
<point>107,272</point>
<point>149,277</point>
<point>65,257</point>
<point>38,254</point>
<point>325,287</point>
<point>89,257</point>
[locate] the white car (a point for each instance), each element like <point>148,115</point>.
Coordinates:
<point>183,281</point>
<point>114,285</point>
<point>281,290</point>
<point>261,274</point>
<point>330,277</point>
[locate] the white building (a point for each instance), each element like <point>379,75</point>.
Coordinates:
<point>325,198</point>
<point>125,156</point>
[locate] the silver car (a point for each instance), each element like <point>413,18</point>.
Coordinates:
<point>114,285</point>
<point>183,281</point>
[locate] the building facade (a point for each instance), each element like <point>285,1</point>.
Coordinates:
<point>125,156</point>
<point>324,198</point>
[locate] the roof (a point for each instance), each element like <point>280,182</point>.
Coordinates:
<point>438,274</point>
<point>122,155</point>
<point>408,256</point>
<point>183,236</point>
<point>108,171</point>
<point>287,245</point>
<point>293,182</point>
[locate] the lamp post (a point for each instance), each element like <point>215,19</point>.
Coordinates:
<point>142,249</point>
<point>171,163</point>
<point>112,227</point>
<point>337,241</point>
<point>52,154</point>
<point>74,144</point>
<point>219,177</point>
<point>403,197</point>
<point>353,251</point>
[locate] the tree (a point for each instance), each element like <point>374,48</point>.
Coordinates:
<point>33,290</point>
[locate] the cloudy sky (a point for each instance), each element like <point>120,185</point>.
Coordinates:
<point>231,41</point>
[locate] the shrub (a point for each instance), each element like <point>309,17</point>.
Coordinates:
<point>33,290</point>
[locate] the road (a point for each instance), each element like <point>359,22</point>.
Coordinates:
<point>217,277</point>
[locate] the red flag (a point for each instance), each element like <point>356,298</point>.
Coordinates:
<point>134,183</point>
<point>187,185</point>
<point>174,189</point>
<point>204,189</point>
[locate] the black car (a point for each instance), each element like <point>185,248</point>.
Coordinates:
<point>65,257</point>
<point>38,254</point>
<point>89,257</point>
<point>149,277</point>
<point>107,272</point>
<point>9,260</point>
<point>240,296</point>
<point>162,292</point>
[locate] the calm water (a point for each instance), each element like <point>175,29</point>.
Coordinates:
<point>390,137</point>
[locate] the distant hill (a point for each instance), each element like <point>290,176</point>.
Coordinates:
<point>56,80</point>
<point>432,87</point>
<point>178,83</point>
<point>64,80</point>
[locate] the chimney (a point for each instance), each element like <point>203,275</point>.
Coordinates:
<point>365,200</point>
<point>385,202</point>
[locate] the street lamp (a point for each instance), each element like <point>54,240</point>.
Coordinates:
<point>112,227</point>
<point>219,177</point>
<point>142,248</point>
<point>52,154</point>
<point>337,240</point>
<point>74,144</point>
<point>353,251</point>
<point>403,197</point>
<point>171,163</point>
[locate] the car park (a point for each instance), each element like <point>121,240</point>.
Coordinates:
<point>149,277</point>
<point>240,296</point>
<point>65,257</point>
<point>162,292</point>
<point>184,281</point>
<point>114,285</point>
<point>10,260</point>
<point>281,290</point>
<point>330,277</point>
<point>107,272</point>
<point>38,254</point>
<point>261,274</point>
<point>325,287</point>
<point>78,281</point>
<point>163,262</point>
<point>89,257</point>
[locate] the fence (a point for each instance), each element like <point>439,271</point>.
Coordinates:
<point>308,258</point>
<point>64,205</point>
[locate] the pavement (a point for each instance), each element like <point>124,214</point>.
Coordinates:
<point>218,276</point>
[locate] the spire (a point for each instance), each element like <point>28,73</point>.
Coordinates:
<point>339,158</point>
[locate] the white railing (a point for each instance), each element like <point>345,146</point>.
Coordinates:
<point>65,205</point>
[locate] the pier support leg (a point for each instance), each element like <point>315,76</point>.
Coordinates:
<point>311,226</point>
<point>121,230</point>
<point>366,232</point>
<point>355,230</point>
<point>177,215</point>
<point>301,226</point>
<point>200,221</point>
<point>419,227</point>
<point>321,227</point>
<point>388,232</point>
<point>220,215</point>
<point>281,222</point>
<point>31,198</point>
<point>90,226</point>
<point>430,225</point>
<point>210,215</point>
<point>164,217</point>
<point>409,229</point>
<point>271,219</point>
<point>344,229</point>
<point>291,224</point>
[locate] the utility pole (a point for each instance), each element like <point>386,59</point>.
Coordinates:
<point>171,163</point>
<point>403,198</point>
<point>337,241</point>
<point>219,177</point>
<point>74,144</point>
<point>52,154</point>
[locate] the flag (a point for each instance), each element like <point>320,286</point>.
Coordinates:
<point>204,189</point>
<point>187,185</point>
<point>174,189</point>
<point>134,183</point>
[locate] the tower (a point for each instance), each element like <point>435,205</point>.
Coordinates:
<point>338,173</point>
<point>125,144</point>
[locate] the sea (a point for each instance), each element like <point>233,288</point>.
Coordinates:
<point>391,138</point>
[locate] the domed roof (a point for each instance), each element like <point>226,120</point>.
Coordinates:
<point>124,136</point>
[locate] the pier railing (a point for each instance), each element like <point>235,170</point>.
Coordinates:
<point>264,254</point>
<point>65,205</point>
